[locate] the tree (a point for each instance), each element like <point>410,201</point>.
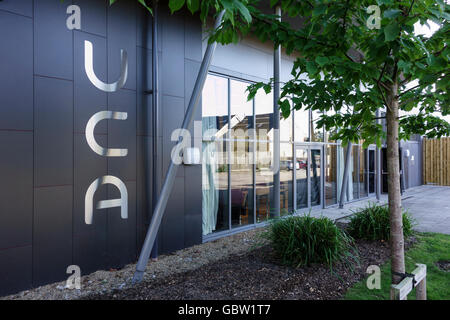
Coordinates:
<point>353,61</point>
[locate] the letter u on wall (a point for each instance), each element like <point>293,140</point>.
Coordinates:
<point>89,68</point>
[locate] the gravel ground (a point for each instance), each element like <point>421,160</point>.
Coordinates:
<point>257,274</point>
<point>104,282</point>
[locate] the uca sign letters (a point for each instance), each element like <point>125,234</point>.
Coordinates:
<point>122,202</point>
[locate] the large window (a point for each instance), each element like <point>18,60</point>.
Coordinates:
<point>238,159</point>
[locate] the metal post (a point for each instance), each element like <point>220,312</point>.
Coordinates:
<point>378,162</point>
<point>155,117</point>
<point>172,170</point>
<point>345,178</point>
<point>276,126</point>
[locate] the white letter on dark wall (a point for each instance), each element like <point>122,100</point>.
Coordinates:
<point>89,68</point>
<point>96,118</point>
<point>103,204</point>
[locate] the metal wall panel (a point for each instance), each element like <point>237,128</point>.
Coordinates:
<point>89,241</point>
<point>94,15</point>
<point>89,100</point>
<point>16,216</point>
<point>16,62</point>
<point>172,229</point>
<point>121,244</point>
<point>23,7</point>
<point>53,142</point>
<point>122,35</point>
<point>172,62</point>
<point>52,233</point>
<point>16,189</point>
<point>16,269</point>
<point>53,50</point>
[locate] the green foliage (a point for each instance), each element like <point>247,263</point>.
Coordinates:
<point>372,223</point>
<point>347,71</point>
<point>302,240</point>
<point>431,248</point>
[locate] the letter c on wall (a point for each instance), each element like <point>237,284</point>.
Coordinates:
<point>89,68</point>
<point>103,204</point>
<point>96,118</point>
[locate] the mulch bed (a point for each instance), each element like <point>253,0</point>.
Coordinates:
<point>257,274</point>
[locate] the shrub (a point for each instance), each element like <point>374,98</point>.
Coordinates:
<point>372,223</point>
<point>302,240</point>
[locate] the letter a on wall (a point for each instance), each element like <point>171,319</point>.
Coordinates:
<point>103,204</point>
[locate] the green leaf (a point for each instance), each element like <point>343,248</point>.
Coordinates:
<point>391,31</point>
<point>143,3</point>
<point>176,5</point>
<point>193,5</point>
<point>243,11</point>
<point>311,67</point>
<point>321,61</point>
<point>392,13</point>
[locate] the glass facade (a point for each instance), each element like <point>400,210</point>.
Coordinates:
<point>238,163</point>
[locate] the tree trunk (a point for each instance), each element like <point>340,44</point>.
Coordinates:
<point>394,195</point>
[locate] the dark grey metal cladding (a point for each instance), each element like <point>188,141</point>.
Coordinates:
<point>172,225</point>
<point>16,189</point>
<point>88,99</point>
<point>16,62</point>
<point>90,241</point>
<point>23,7</point>
<point>16,211</point>
<point>52,233</point>
<point>171,119</point>
<point>122,239</point>
<point>93,16</point>
<point>193,40</point>
<point>144,29</point>
<point>122,35</point>
<point>53,50</point>
<point>192,174</point>
<point>144,84</point>
<point>60,105</point>
<point>53,140</point>
<point>122,134</point>
<point>16,269</point>
<point>144,186</point>
<point>172,62</point>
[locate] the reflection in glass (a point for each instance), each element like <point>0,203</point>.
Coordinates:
<point>286,129</point>
<point>241,110</point>
<point>264,115</point>
<point>371,171</point>
<point>316,133</point>
<point>315,177</point>
<point>355,172</point>
<point>331,175</point>
<point>301,177</point>
<point>362,173</point>
<point>241,184</point>
<point>286,171</point>
<point>263,180</point>
<point>301,125</point>
<point>242,154</point>
<point>214,164</point>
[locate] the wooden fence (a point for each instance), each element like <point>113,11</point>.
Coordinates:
<point>436,161</point>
